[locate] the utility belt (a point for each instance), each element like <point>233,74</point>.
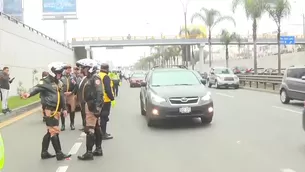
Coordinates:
<point>52,109</point>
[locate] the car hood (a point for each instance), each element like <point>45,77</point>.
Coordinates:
<point>180,91</point>
<point>225,75</point>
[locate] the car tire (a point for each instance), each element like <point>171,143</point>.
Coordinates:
<point>143,113</point>
<point>284,97</point>
<point>236,87</point>
<point>150,122</point>
<point>131,86</point>
<point>206,120</point>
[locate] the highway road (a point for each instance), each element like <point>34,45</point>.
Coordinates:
<point>251,132</point>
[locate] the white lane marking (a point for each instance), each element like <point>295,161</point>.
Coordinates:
<point>62,168</point>
<point>225,95</point>
<point>75,148</point>
<point>287,170</point>
<point>83,134</point>
<point>286,109</point>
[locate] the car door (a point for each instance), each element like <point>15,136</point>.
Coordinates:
<point>300,84</point>
<point>144,89</point>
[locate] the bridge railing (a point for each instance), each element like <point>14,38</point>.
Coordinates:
<point>14,20</point>
<point>105,38</point>
<point>269,82</point>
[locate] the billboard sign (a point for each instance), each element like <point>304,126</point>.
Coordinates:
<point>13,8</point>
<point>59,8</point>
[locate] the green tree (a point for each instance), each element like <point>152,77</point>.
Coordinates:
<point>211,17</point>
<point>277,11</point>
<point>254,10</point>
<point>227,37</point>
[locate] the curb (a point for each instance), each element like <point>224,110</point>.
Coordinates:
<point>261,90</point>
<point>18,111</point>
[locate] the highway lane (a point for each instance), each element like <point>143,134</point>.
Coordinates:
<point>247,134</point>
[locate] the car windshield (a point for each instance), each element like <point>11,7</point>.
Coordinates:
<point>170,78</point>
<point>138,75</point>
<point>198,75</point>
<point>222,71</point>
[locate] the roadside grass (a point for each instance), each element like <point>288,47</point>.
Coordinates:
<point>16,102</point>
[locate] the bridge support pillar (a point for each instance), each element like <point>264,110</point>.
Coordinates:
<point>88,52</point>
<point>201,57</point>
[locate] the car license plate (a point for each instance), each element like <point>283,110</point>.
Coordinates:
<point>185,110</point>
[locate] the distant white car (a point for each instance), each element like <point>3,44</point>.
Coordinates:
<point>223,77</point>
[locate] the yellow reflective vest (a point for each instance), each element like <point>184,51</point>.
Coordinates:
<point>106,98</point>
<point>2,158</point>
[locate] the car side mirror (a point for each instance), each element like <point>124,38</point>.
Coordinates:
<point>204,82</point>
<point>303,77</point>
<point>143,84</point>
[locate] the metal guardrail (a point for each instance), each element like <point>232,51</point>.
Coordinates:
<point>14,20</point>
<point>261,81</point>
<point>104,38</point>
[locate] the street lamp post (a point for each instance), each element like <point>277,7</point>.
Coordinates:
<point>185,28</point>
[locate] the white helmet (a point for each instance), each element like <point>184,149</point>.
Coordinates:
<point>56,68</point>
<point>92,64</point>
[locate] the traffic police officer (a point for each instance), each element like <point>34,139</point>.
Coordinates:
<point>50,89</point>
<point>70,89</point>
<point>116,82</point>
<point>81,100</point>
<point>108,99</point>
<point>93,97</point>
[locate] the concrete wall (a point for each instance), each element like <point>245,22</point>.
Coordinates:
<point>24,50</point>
<point>264,62</point>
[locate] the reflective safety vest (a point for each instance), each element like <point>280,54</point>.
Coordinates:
<point>1,153</point>
<point>115,77</point>
<point>106,98</point>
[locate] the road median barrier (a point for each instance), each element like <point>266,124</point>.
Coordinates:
<point>19,106</point>
<point>268,83</point>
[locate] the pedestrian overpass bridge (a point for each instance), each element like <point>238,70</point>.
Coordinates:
<point>86,43</point>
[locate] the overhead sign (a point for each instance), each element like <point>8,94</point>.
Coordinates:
<point>59,8</point>
<point>287,40</point>
<point>13,8</point>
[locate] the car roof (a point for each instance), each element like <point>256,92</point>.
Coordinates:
<point>296,67</point>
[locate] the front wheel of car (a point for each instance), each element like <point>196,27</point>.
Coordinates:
<point>284,97</point>
<point>206,120</point>
<point>150,122</point>
<point>236,87</point>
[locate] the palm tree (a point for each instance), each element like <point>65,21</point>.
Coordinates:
<point>211,18</point>
<point>277,11</point>
<point>238,40</point>
<point>254,10</point>
<point>193,34</point>
<point>226,38</point>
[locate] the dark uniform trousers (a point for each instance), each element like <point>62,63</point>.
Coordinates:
<point>105,112</point>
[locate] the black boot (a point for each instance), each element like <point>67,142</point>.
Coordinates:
<point>98,143</point>
<point>105,135</point>
<point>63,122</point>
<point>83,114</point>
<point>89,145</point>
<point>57,147</point>
<point>45,146</point>
<point>72,117</point>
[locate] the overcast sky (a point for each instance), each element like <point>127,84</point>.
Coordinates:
<point>145,17</point>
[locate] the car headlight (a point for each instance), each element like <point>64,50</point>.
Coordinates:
<point>157,98</point>
<point>219,78</point>
<point>207,97</point>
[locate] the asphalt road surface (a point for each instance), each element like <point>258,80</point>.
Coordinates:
<point>251,132</point>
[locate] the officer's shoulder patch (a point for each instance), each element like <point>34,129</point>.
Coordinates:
<point>40,82</point>
<point>97,82</point>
